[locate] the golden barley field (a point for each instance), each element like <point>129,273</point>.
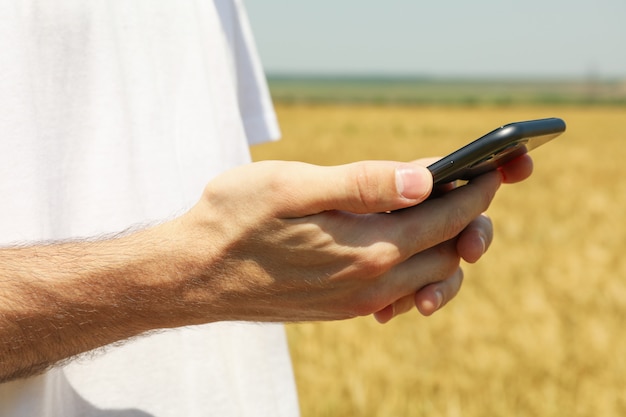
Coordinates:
<point>539,327</point>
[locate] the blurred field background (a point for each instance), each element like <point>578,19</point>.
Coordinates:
<point>538,328</point>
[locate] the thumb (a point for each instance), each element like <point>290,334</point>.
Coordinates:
<point>360,187</point>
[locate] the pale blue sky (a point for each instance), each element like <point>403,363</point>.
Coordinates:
<point>556,38</point>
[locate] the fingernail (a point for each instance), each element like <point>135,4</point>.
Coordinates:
<point>483,242</point>
<point>413,182</point>
<point>439,301</point>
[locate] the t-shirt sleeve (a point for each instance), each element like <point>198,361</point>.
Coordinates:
<point>255,103</point>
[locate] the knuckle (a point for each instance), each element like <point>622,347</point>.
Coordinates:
<point>454,223</point>
<point>368,302</point>
<point>486,197</point>
<point>454,265</point>
<point>372,268</point>
<point>452,285</point>
<point>363,309</point>
<point>379,259</point>
<point>366,187</point>
<point>448,261</point>
<point>274,182</point>
<point>458,217</point>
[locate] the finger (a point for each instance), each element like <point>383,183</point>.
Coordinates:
<point>401,306</point>
<point>517,170</point>
<point>361,187</point>
<point>434,296</point>
<point>475,239</point>
<point>384,315</point>
<point>427,267</point>
<point>442,219</point>
<point>427,299</point>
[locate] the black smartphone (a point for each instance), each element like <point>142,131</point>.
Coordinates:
<point>495,149</point>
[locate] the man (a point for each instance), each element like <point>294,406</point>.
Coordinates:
<point>114,117</point>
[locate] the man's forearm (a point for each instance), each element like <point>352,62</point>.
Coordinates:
<point>295,242</point>
<point>60,300</point>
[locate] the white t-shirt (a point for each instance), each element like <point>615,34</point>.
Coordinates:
<point>114,113</point>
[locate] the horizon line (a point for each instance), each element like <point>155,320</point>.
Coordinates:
<point>344,75</point>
